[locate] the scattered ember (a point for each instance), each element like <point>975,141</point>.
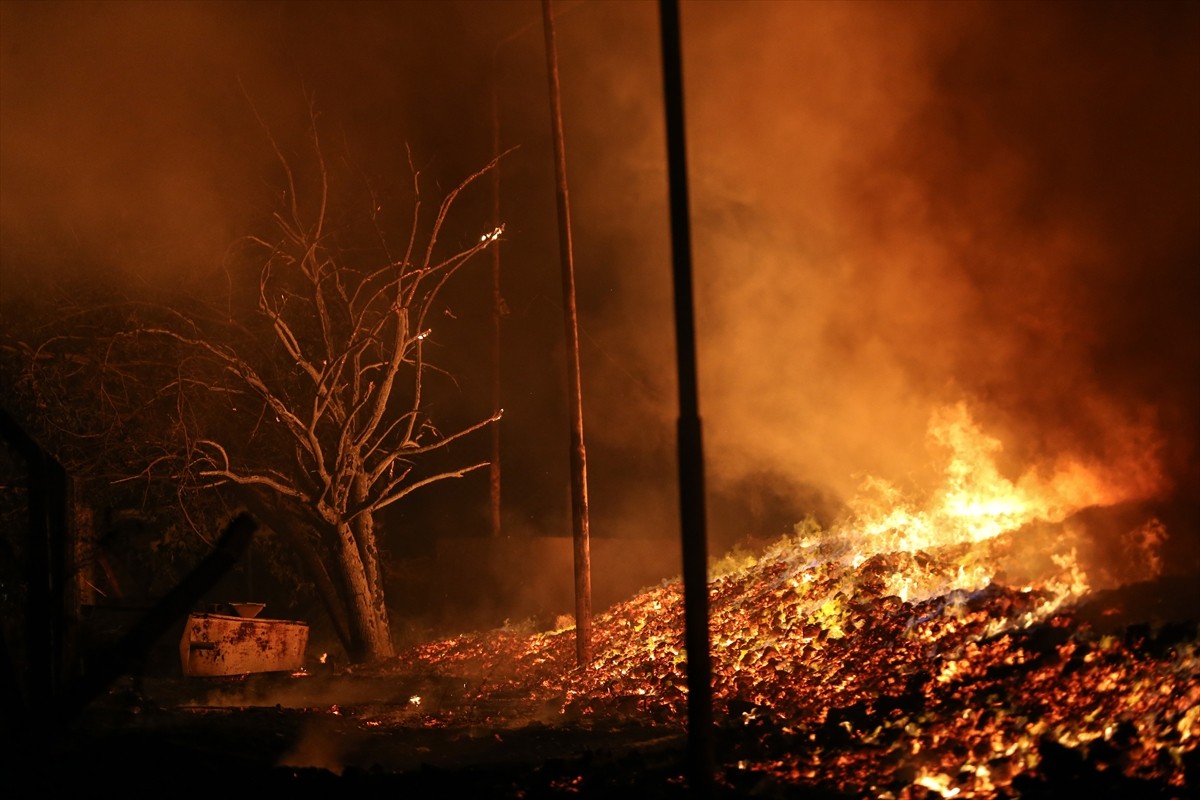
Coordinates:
<point>822,678</point>
<point>890,674</point>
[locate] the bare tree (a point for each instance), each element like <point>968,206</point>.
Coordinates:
<point>308,404</point>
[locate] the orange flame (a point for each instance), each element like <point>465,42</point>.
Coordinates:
<point>975,501</point>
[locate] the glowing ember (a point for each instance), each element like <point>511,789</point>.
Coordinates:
<point>887,656</point>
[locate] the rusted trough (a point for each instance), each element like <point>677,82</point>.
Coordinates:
<point>237,644</point>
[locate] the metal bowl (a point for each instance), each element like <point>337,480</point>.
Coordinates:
<point>247,610</point>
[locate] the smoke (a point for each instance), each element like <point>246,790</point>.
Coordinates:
<point>897,206</point>
<point>900,206</point>
<point>922,203</point>
<point>137,135</point>
<point>118,158</point>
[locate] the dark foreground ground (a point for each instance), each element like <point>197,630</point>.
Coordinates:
<point>178,740</point>
<point>134,743</point>
<point>398,734</point>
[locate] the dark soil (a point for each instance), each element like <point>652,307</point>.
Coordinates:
<point>355,737</point>
<point>163,740</point>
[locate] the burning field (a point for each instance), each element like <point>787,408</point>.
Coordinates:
<point>978,647</point>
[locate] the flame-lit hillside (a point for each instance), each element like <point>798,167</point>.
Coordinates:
<point>971,664</point>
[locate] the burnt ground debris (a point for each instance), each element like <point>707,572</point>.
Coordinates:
<point>496,715</point>
<point>225,736</point>
<point>128,744</point>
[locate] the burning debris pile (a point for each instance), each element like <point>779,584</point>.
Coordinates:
<point>825,678</point>
<point>980,666</point>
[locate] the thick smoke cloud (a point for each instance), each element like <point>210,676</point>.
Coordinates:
<point>997,201</point>
<point>902,206</point>
<point>897,206</point>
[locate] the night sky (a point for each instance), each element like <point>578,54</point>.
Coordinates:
<point>897,206</point>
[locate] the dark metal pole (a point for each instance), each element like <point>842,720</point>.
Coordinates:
<point>579,502</point>
<point>701,758</point>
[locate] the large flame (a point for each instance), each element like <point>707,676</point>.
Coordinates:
<point>974,501</point>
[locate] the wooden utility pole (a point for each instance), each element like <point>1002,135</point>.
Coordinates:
<point>497,310</point>
<point>579,502</point>
<point>701,758</point>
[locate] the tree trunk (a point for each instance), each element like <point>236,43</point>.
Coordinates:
<point>371,637</point>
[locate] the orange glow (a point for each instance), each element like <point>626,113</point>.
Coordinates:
<point>975,501</point>
<point>890,649</point>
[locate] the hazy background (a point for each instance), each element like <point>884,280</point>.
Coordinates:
<point>896,206</point>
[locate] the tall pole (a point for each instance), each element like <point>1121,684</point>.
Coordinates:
<point>579,502</point>
<point>497,306</point>
<point>498,309</point>
<point>701,759</point>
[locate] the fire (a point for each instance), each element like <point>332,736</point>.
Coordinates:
<point>975,501</point>
<point>889,656</point>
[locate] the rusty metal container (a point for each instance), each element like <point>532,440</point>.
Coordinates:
<point>221,644</point>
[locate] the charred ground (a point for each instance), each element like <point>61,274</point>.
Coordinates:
<point>827,683</point>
